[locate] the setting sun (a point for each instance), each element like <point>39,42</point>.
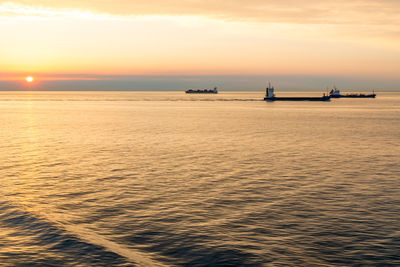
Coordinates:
<point>29,79</point>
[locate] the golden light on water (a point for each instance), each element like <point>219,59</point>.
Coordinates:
<point>29,79</point>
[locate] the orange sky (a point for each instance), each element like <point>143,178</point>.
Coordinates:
<point>170,37</point>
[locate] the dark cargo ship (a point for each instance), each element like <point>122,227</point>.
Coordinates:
<point>335,93</point>
<point>202,91</point>
<point>270,96</point>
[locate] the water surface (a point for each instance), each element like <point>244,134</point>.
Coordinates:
<point>153,179</point>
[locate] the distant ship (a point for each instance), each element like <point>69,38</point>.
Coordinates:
<point>270,96</point>
<point>335,93</point>
<point>202,91</point>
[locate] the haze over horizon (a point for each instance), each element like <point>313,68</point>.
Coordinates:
<point>170,45</point>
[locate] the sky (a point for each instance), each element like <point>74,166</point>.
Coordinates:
<point>170,44</point>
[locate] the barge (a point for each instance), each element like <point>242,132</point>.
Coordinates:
<point>270,96</point>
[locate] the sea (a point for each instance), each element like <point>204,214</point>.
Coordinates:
<point>170,179</point>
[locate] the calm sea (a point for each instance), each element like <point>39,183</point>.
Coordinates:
<point>168,179</point>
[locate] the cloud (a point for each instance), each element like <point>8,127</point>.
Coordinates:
<point>21,10</point>
<point>200,37</point>
<point>367,12</point>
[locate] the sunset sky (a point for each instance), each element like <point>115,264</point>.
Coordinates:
<point>303,44</point>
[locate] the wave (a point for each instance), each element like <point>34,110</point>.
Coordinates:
<point>50,243</point>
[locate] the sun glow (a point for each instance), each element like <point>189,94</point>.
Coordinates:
<point>29,79</point>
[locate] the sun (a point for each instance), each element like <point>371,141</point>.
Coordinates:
<point>29,79</point>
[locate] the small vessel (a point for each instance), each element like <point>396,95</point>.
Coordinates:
<point>202,91</point>
<point>270,96</point>
<point>335,93</point>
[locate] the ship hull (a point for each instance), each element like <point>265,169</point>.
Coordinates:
<point>323,98</point>
<point>200,92</point>
<point>353,96</point>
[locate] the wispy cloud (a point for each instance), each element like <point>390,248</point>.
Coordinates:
<point>367,12</point>
<point>18,9</point>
